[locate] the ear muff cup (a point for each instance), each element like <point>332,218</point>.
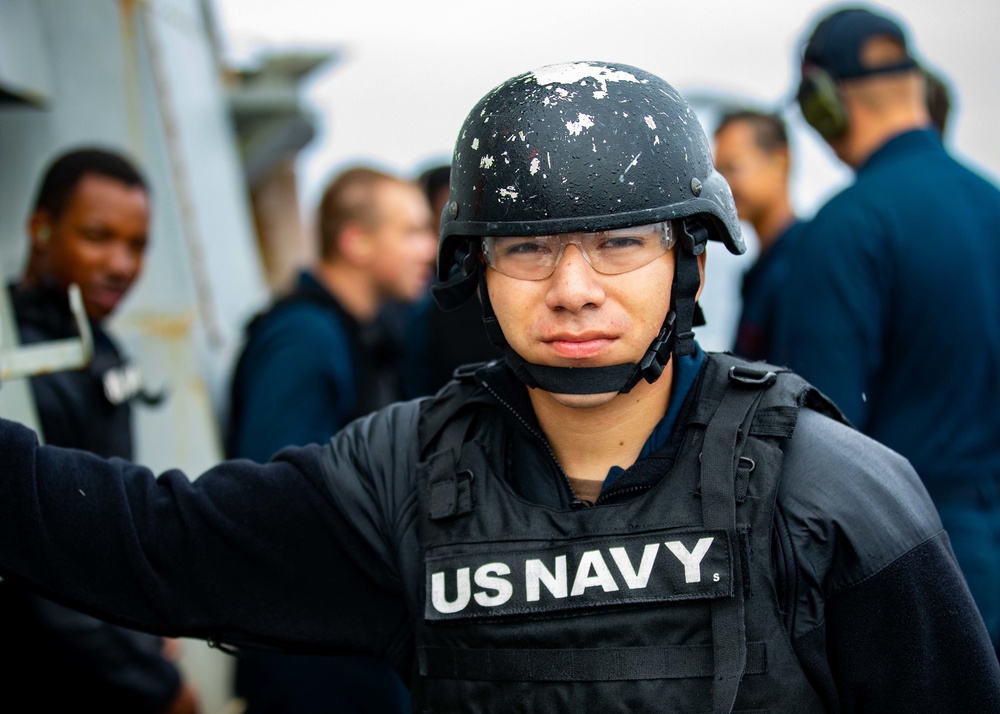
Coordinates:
<point>821,104</point>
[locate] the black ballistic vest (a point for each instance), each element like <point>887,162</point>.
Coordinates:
<point>662,603</point>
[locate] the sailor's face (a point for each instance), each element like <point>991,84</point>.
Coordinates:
<point>578,317</point>
<point>758,178</point>
<point>402,262</point>
<point>98,241</point>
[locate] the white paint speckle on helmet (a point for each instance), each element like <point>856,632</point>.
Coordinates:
<point>573,72</point>
<point>509,193</point>
<point>584,121</point>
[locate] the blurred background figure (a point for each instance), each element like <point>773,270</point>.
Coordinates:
<point>893,299</point>
<point>438,342</point>
<point>318,358</point>
<point>938,101</point>
<point>89,226</point>
<point>751,151</point>
<point>434,183</point>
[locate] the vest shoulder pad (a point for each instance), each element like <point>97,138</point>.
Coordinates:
<point>789,388</point>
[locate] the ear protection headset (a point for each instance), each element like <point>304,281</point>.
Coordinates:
<point>821,102</point>
<point>832,55</point>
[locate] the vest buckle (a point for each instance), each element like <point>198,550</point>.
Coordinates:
<point>750,377</point>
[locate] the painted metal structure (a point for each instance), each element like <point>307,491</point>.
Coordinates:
<point>141,77</point>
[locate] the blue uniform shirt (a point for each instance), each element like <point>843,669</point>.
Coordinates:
<point>894,308</point>
<point>686,371</point>
<point>763,294</point>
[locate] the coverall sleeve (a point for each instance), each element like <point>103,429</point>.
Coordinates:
<point>246,554</point>
<point>289,391</point>
<point>883,620</point>
<point>59,410</point>
<point>835,303</point>
<point>129,663</point>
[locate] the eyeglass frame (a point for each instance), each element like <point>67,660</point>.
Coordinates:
<point>667,240</point>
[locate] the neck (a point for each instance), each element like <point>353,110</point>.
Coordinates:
<point>351,286</point>
<point>869,142</point>
<point>870,129</point>
<point>28,281</point>
<point>588,440</point>
<point>772,224</point>
<point>34,272</point>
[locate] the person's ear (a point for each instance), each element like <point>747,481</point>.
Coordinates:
<point>782,161</point>
<point>40,229</point>
<point>356,244</point>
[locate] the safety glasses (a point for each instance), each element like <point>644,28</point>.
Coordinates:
<point>610,252</point>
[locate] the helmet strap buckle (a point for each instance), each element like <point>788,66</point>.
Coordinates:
<point>687,280</point>
<point>655,360</point>
<point>462,279</point>
<point>694,236</point>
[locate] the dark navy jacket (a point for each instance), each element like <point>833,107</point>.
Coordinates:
<point>317,551</point>
<point>86,663</point>
<point>307,369</point>
<point>763,297</point>
<point>894,308</point>
<point>73,407</point>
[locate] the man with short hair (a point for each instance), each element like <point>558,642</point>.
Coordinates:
<point>608,520</point>
<point>893,299</point>
<point>437,342</point>
<point>751,152</point>
<point>317,359</point>
<point>89,226</point>
<point>318,356</point>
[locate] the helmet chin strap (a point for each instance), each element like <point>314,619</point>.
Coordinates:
<point>597,380</point>
<point>675,337</point>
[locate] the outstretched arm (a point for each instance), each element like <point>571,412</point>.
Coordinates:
<point>245,554</point>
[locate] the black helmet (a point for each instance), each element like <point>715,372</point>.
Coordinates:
<point>580,147</point>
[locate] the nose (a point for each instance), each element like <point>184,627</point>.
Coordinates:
<point>122,261</point>
<point>574,285</point>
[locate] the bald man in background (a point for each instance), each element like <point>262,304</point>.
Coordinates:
<point>893,298</point>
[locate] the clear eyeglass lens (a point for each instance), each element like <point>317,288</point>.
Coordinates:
<point>609,252</point>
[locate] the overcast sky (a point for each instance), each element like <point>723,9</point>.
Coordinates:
<point>410,71</point>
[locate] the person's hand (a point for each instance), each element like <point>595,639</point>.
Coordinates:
<point>186,701</point>
<point>171,648</point>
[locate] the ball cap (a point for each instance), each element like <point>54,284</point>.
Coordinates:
<point>836,43</point>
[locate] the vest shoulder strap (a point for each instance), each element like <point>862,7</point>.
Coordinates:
<point>778,410</point>
<point>737,390</point>
<point>739,401</point>
<point>440,410</point>
<point>442,428</point>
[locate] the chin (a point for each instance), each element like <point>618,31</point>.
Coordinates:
<point>583,401</point>
<point>97,313</point>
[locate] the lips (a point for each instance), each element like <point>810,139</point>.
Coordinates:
<point>580,345</point>
<point>104,297</point>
